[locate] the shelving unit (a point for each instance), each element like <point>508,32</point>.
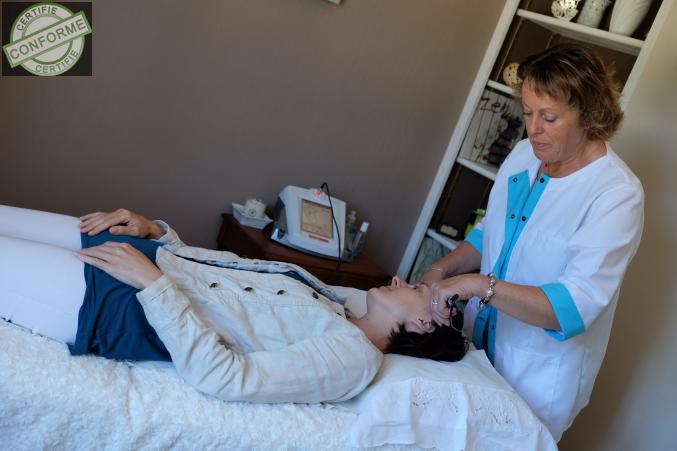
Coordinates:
<point>483,169</point>
<point>443,240</point>
<point>501,87</point>
<point>583,33</point>
<point>506,36</point>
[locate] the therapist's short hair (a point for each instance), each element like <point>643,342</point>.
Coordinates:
<point>443,343</point>
<point>575,75</point>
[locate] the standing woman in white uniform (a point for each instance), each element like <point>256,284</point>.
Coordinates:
<point>563,221</point>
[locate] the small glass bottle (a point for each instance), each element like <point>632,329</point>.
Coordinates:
<point>350,231</point>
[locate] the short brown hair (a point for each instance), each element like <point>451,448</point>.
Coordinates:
<point>574,74</point>
<point>444,343</point>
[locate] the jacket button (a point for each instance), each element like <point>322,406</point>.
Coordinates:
<point>213,285</point>
<point>512,216</point>
<point>280,292</point>
<point>248,289</point>
<point>524,218</point>
<point>542,180</point>
<point>514,179</point>
<point>315,295</point>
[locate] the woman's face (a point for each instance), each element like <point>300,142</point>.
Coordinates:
<point>553,127</point>
<point>409,302</point>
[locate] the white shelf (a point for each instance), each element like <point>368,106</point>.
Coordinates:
<point>572,30</point>
<point>501,87</point>
<point>443,240</point>
<point>485,170</point>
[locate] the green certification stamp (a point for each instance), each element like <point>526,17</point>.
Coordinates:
<point>47,39</point>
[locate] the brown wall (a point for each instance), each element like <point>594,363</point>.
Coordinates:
<point>194,105</point>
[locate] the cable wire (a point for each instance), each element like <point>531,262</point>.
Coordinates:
<point>325,186</point>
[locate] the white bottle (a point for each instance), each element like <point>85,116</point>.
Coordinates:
<point>351,230</point>
<point>358,242</point>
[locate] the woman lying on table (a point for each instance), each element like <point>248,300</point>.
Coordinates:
<point>238,329</point>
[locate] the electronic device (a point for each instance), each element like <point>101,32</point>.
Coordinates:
<point>306,219</point>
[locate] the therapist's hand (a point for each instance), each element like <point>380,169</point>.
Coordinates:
<point>431,276</point>
<point>120,222</point>
<point>465,286</point>
<point>122,261</point>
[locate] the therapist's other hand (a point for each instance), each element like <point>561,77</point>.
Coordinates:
<point>122,261</point>
<point>431,276</point>
<point>120,222</point>
<point>465,286</point>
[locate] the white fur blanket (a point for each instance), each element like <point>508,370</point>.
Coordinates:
<point>50,400</point>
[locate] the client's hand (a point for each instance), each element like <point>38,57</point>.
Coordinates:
<point>122,261</point>
<point>120,222</point>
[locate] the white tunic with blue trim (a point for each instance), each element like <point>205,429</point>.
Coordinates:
<point>573,237</point>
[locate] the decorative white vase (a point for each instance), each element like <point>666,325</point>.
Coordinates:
<point>627,15</point>
<point>592,12</point>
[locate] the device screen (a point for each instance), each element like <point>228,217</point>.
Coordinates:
<point>316,218</point>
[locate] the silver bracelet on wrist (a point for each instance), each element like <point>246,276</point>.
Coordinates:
<point>490,291</point>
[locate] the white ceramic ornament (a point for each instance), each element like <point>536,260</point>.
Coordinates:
<point>510,75</point>
<point>627,15</point>
<point>592,12</point>
<point>564,9</point>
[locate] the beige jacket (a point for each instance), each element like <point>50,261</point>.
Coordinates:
<point>251,336</point>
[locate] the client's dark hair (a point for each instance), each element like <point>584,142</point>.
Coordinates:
<point>443,343</point>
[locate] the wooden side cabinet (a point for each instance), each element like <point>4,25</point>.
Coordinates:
<point>253,243</point>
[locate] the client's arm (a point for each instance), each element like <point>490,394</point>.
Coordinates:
<point>126,222</point>
<point>121,222</point>
<point>330,367</point>
<point>122,261</point>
